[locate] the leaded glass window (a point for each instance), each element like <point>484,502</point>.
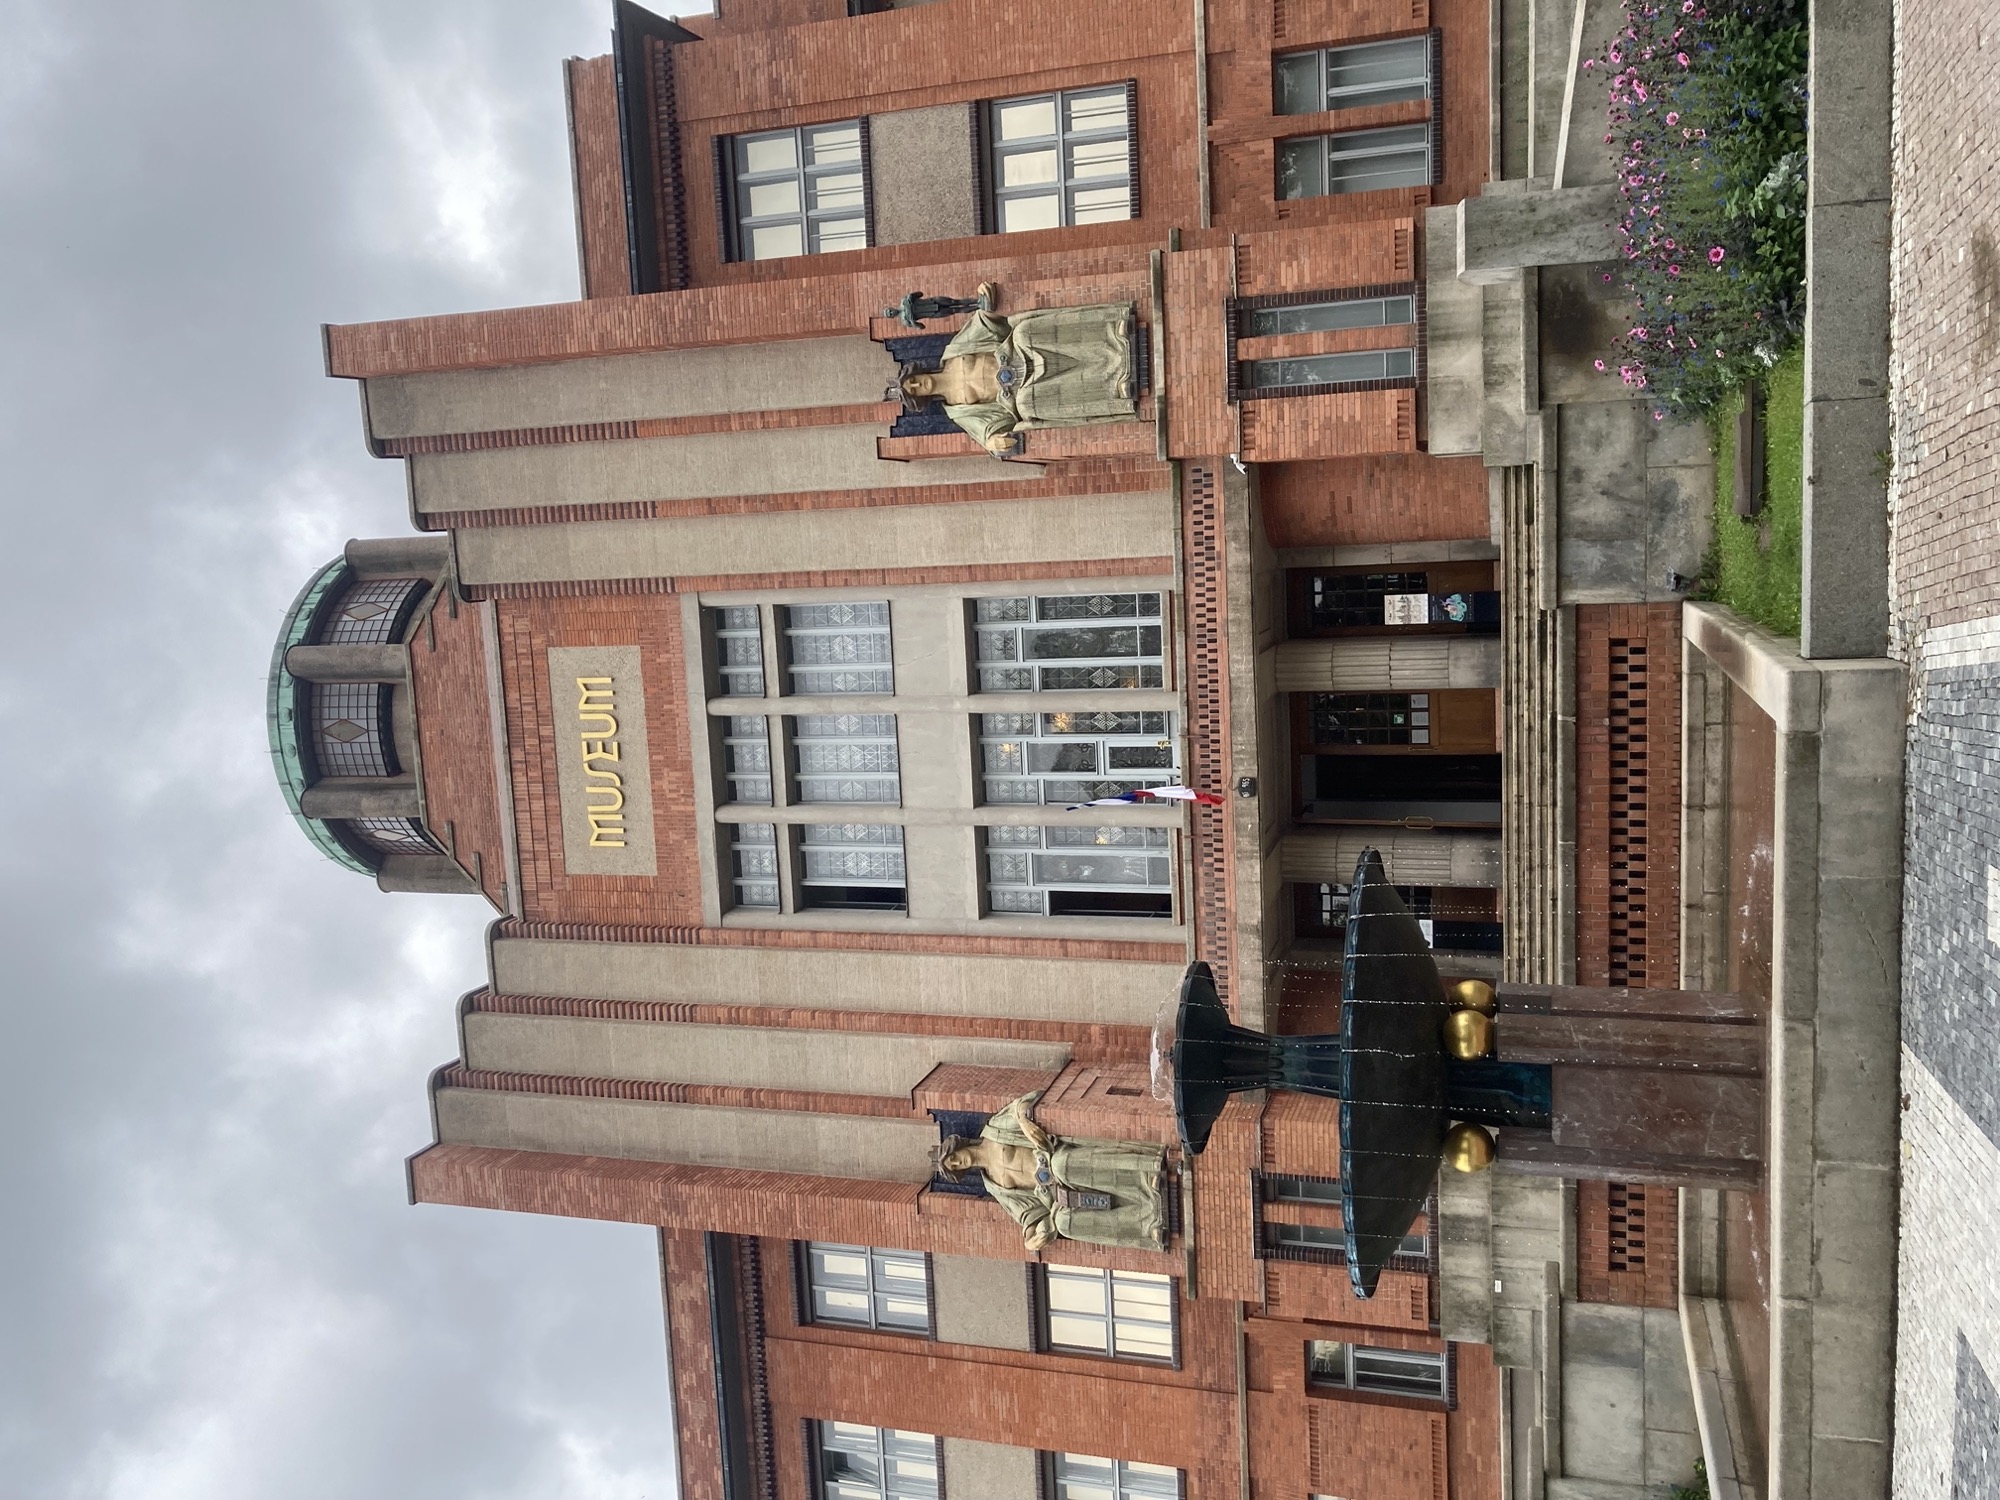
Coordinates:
<point>1061,159</point>
<point>1329,317</point>
<point>846,758</point>
<point>852,866</point>
<point>1350,368</point>
<point>800,192</point>
<point>394,835</point>
<point>739,649</point>
<point>1126,1314</point>
<point>753,855</point>
<point>1354,161</point>
<point>370,612</point>
<point>839,648</point>
<point>1061,759</point>
<point>746,758</point>
<point>1083,1476</point>
<point>1371,718</point>
<point>1070,643</point>
<point>1394,72</point>
<point>1390,1372</point>
<point>877,1463</point>
<point>350,729</point>
<point>869,1288</point>
<point>1116,871</point>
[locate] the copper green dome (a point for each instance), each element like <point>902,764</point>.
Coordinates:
<point>282,713</point>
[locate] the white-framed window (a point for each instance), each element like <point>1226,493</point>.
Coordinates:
<point>877,1463</point>
<point>1070,642</point>
<point>1354,161</point>
<point>1330,316</point>
<point>852,867</point>
<point>1084,1476</point>
<point>1392,72</point>
<point>800,191</point>
<point>1350,368</point>
<point>1114,871</point>
<point>1061,158</point>
<point>869,1288</point>
<point>1387,1372</point>
<point>1125,1314</point>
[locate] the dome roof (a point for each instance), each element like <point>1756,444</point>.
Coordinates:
<point>281,711</point>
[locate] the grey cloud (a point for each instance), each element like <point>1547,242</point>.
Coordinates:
<point>215,1041</point>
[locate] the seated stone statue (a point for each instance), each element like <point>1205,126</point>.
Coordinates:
<point>1103,1192</point>
<point>1051,367</point>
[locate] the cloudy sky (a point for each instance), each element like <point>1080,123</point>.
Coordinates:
<point>216,1041</point>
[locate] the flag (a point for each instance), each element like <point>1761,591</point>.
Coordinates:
<point>1153,794</point>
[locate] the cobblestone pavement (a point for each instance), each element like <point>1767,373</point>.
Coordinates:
<point>1945,403</point>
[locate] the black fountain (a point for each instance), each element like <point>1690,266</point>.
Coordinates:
<point>1401,1090</point>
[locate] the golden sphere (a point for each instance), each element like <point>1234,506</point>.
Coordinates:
<point>1468,1034</point>
<point>1472,994</point>
<point>1468,1148</point>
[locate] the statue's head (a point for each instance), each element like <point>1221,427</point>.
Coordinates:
<point>919,386</point>
<point>953,1158</point>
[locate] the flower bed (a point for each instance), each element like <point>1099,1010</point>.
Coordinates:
<point>1708,108</point>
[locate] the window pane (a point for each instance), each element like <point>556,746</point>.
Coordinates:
<point>1076,1291</point>
<point>1327,1361</point>
<point>841,234</point>
<point>1103,206</point>
<point>773,241</point>
<point>1072,1332</point>
<point>1043,211</point>
<point>1097,159</point>
<point>769,153</point>
<point>770,199</point>
<point>1331,369</point>
<point>1380,73</point>
<point>1025,119</point>
<point>834,143</point>
<point>1327,317</point>
<point>1295,84</point>
<point>833,191</point>
<point>1302,167</point>
<point>1100,110</point>
<point>1027,168</point>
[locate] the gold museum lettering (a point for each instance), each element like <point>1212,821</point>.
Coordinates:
<point>599,734</point>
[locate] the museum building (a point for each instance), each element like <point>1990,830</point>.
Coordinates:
<point>974,415</point>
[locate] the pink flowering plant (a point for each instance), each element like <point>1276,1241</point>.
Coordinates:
<point>1708,110</point>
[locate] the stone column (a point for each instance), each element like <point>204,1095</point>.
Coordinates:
<point>362,797</point>
<point>348,663</point>
<point>398,556</point>
<point>1412,857</point>
<point>1388,664</point>
<point>426,874</point>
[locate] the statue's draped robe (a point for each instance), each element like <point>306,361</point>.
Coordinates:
<point>1126,1172</point>
<point>1058,367</point>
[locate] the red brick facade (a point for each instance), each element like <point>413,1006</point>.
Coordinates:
<point>1235,1412</point>
<point>1628,776</point>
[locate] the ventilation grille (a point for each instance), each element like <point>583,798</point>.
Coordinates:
<point>1628,812</point>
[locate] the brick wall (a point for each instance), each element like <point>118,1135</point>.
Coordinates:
<point>1628,758</point>
<point>1627,1244</point>
<point>528,628</point>
<point>691,1365</point>
<point>599,176</point>
<point>1390,497</point>
<point>455,740</point>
